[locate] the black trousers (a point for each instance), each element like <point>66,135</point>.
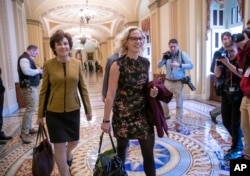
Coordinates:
<point>1,111</point>
<point>230,112</point>
<point>147,150</point>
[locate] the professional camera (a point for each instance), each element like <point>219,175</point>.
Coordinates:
<point>167,55</point>
<point>240,37</point>
<point>187,80</point>
<point>220,55</point>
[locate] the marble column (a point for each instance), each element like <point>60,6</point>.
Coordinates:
<point>35,37</point>
<point>103,53</point>
<point>48,54</point>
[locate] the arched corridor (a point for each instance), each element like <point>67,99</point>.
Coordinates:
<point>197,150</point>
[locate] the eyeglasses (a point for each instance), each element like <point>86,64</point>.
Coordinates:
<point>135,39</point>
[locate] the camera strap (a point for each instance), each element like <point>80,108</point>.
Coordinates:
<point>182,61</point>
<point>231,79</point>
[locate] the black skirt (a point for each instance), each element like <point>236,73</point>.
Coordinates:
<point>63,127</point>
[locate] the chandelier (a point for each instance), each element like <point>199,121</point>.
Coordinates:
<point>86,14</point>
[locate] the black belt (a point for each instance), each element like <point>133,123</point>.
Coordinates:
<point>171,80</point>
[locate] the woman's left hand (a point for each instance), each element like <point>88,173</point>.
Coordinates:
<point>154,91</point>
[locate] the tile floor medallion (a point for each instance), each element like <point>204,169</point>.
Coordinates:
<point>197,150</point>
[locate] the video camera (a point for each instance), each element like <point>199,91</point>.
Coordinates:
<point>167,55</point>
<point>187,80</point>
<point>240,37</point>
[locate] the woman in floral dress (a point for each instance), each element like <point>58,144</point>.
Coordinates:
<point>127,97</point>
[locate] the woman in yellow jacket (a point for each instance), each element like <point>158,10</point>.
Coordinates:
<point>59,102</point>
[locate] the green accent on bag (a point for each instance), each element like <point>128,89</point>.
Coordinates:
<point>108,163</point>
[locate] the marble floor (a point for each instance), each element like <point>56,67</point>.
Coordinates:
<point>197,150</point>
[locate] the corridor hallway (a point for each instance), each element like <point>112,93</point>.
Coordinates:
<point>197,150</point>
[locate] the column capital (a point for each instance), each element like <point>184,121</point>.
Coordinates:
<point>103,43</point>
<point>132,23</point>
<point>110,38</point>
<point>34,22</point>
<point>156,3</point>
<point>18,1</point>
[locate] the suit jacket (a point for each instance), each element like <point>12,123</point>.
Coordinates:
<point>60,85</point>
<point>155,112</point>
<point>110,60</point>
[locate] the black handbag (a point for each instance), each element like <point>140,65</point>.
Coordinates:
<point>108,163</point>
<point>43,159</point>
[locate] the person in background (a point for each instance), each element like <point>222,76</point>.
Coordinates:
<point>63,78</point>
<point>3,137</point>
<point>126,95</point>
<point>225,40</point>
<point>109,62</point>
<point>29,79</point>
<point>176,62</point>
<point>248,24</point>
<point>78,56</point>
<point>226,69</point>
<point>243,59</point>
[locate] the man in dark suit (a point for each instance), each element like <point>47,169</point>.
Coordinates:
<point>110,60</point>
<point>2,135</point>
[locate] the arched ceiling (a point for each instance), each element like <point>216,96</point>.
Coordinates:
<point>110,17</point>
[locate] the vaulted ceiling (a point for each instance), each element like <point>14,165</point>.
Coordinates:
<point>110,17</point>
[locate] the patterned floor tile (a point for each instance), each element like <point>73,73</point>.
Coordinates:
<point>197,150</point>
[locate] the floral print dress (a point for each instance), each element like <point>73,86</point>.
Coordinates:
<point>129,110</point>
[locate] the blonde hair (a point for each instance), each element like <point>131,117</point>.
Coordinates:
<point>122,38</point>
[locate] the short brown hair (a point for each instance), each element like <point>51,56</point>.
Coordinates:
<point>31,47</point>
<point>57,37</point>
<point>228,34</point>
<point>173,41</point>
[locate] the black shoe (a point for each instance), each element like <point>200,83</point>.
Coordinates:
<point>2,142</point>
<point>69,162</point>
<point>4,137</point>
<point>213,118</point>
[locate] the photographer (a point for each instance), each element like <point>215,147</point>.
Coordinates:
<point>225,70</point>
<point>176,62</point>
<point>225,40</point>
<point>243,59</point>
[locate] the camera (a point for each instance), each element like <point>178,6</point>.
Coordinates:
<point>187,80</point>
<point>167,55</point>
<point>220,55</point>
<point>25,83</point>
<point>240,37</point>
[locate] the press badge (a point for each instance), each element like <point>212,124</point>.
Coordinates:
<point>247,73</point>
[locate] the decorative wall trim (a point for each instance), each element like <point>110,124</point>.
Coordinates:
<point>34,22</point>
<point>6,51</point>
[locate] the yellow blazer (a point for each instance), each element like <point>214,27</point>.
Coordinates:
<point>59,89</point>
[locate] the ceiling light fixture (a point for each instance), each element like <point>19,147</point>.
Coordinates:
<point>87,14</point>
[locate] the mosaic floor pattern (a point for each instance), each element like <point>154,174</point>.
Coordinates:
<point>197,150</point>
